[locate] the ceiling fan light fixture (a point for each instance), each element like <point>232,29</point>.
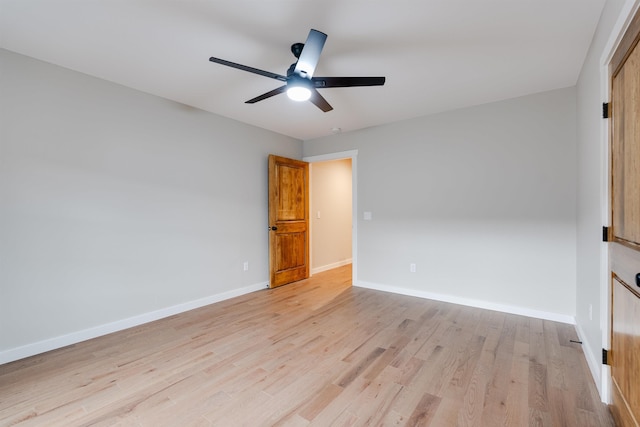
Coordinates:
<point>298,91</point>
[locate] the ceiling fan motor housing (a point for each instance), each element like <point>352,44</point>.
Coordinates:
<point>296,49</point>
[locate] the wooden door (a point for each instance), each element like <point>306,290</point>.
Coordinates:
<point>625,230</point>
<point>288,220</point>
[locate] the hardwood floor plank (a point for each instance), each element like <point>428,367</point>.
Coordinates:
<point>446,414</point>
<point>437,372</point>
<point>496,391</point>
<point>473,400</point>
<point>517,403</point>
<point>538,396</point>
<point>360,366</point>
<point>319,402</point>
<point>424,411</point>
<point>467,357</point>
<point>375,399</point>
<point>313,353</point>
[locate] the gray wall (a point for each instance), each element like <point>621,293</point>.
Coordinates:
<point>591,215</point>
<point>482,200</point>
<point>115,204</point>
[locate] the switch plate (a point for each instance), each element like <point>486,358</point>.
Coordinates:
<point>368,216</point>
<point>318,214</point>
<point>245,266</point>
<point>412,268</point>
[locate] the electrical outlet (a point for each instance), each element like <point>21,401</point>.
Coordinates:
<point>245,266</point>
<point>412,268</point>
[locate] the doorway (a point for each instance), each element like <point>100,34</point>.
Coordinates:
<point>333,212</point>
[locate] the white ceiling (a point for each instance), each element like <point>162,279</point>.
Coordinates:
<point>437,55</point>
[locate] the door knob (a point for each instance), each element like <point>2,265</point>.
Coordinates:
<point>274,228</point>
<point>638,279</point>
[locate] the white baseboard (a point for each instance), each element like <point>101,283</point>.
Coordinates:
<point>86,334</point>
<point>119,325</point>
<point>596,367</point>
<point>522,311</point>
<point>331,266</point>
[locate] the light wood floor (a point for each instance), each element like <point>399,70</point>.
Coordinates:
<point>317,352</point>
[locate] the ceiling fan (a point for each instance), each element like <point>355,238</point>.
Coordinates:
<point>300,85</point>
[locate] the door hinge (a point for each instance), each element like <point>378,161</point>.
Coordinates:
<point>605,110</point>
<point>605,233</point>
<point>605,357</point>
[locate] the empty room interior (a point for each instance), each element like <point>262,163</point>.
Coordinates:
<point>452,267</point>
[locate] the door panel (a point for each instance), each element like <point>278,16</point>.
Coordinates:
<point>626,150</point>
<point>624,253</point>
<point>625,335</point>
<point>625,369</point>
<point>288,220</point>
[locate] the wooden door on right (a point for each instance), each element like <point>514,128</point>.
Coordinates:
<point>624,254</point>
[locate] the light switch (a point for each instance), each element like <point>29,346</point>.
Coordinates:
<point>368,216</point>
<point>318,215</point>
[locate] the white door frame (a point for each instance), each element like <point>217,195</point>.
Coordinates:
<point>353,155</point>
